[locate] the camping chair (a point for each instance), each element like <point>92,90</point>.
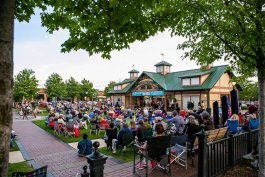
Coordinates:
<point>93,127</point>
<point>127,140</point>
<point>155,151</point>
<point>253,124</point>
<point>232,126</point>
<point>111,134</point>
<point>69,129</point>
<point>40,172</point>
<point>179,150</point>
<point>102,128</point>
<point>57,129</point>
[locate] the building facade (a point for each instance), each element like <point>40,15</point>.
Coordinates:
<point>200,86</point>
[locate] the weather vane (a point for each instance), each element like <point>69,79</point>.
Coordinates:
<point>162,56</point>
<point>133,66</point>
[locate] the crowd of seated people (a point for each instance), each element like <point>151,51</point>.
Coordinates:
<point>117,121</point>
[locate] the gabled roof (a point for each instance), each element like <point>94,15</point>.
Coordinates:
<point>133,71</point>
<point>163,63</point>
<point>173,81</point>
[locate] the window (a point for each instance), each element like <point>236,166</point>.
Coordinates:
<point>186,81</point>
<point>191,81</point>
<point>195,81</point>
<point>193,98</point>
<point>117,87</point>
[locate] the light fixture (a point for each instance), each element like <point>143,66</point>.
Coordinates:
<point>234,83</point>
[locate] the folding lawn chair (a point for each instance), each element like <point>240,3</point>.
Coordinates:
<point>156,151</point>
<point>179,150</point>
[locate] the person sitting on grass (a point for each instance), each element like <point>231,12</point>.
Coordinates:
<point>84,146</point>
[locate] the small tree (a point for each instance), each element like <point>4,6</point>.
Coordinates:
<point>54,86</point>
<point>108,88</point>
<point>72,88</point>
<point>86,89</point>
<point>25,85</point>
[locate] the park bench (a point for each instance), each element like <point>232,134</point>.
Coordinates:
<point>212,135</point>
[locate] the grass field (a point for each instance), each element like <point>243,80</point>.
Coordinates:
<point>41,124</point>
<point>123,156</point>
<point>18,167</point>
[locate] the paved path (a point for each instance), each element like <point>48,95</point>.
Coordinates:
<point>41,148</point>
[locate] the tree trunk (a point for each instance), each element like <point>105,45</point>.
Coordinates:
<point>7,9</point>
<point>261,81</point>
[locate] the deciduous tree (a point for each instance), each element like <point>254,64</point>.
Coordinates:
<point>25,85</point>
<point>55,86</point>
<point>72,88</point>
<point>86,89</point>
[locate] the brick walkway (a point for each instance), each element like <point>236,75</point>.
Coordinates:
<point>41,148</point>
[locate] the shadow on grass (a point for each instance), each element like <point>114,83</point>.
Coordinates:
<point>126,156</point>
<point>66,139</point>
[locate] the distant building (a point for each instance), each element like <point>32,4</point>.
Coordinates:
<point>101,96</point>
<point>42,96</point>
<point>201,86</point>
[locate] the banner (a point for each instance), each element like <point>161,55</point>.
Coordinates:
<point>151,93</point>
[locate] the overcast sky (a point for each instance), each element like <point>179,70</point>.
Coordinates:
<point>35,49</point>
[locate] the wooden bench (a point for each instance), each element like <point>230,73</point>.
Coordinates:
<point>212,135</point>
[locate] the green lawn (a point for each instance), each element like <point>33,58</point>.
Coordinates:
<point>18,167</point>
<point>41,124</point>
<point>15,147</point>
<point>125,157</point>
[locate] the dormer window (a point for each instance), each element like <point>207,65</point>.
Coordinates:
<point>195,81</point>
<point>117,87</point>
<point>186,81</point>
<point>190,81</point>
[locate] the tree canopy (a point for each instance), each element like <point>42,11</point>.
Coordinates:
<point>55,86</point>
<point>249,90</point>
<point>86,89</point>
<point>72,88</point>
<point>25,85</point>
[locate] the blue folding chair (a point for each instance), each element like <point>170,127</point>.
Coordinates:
<point>232,126</point>
<point>253,124</point>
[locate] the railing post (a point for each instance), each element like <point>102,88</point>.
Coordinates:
<point>230,150</point>
<point>249,141</point>
<point>96,162</point>
<point>203,156</point>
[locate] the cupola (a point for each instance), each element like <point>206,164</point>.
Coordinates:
<point>163,67</point>
<point>133,73</point>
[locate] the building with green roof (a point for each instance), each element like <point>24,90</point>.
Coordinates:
<point>200,86</point>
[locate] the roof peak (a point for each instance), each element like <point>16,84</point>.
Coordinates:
<point>163,63</point>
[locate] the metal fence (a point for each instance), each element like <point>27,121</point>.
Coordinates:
<point>220,155</point>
